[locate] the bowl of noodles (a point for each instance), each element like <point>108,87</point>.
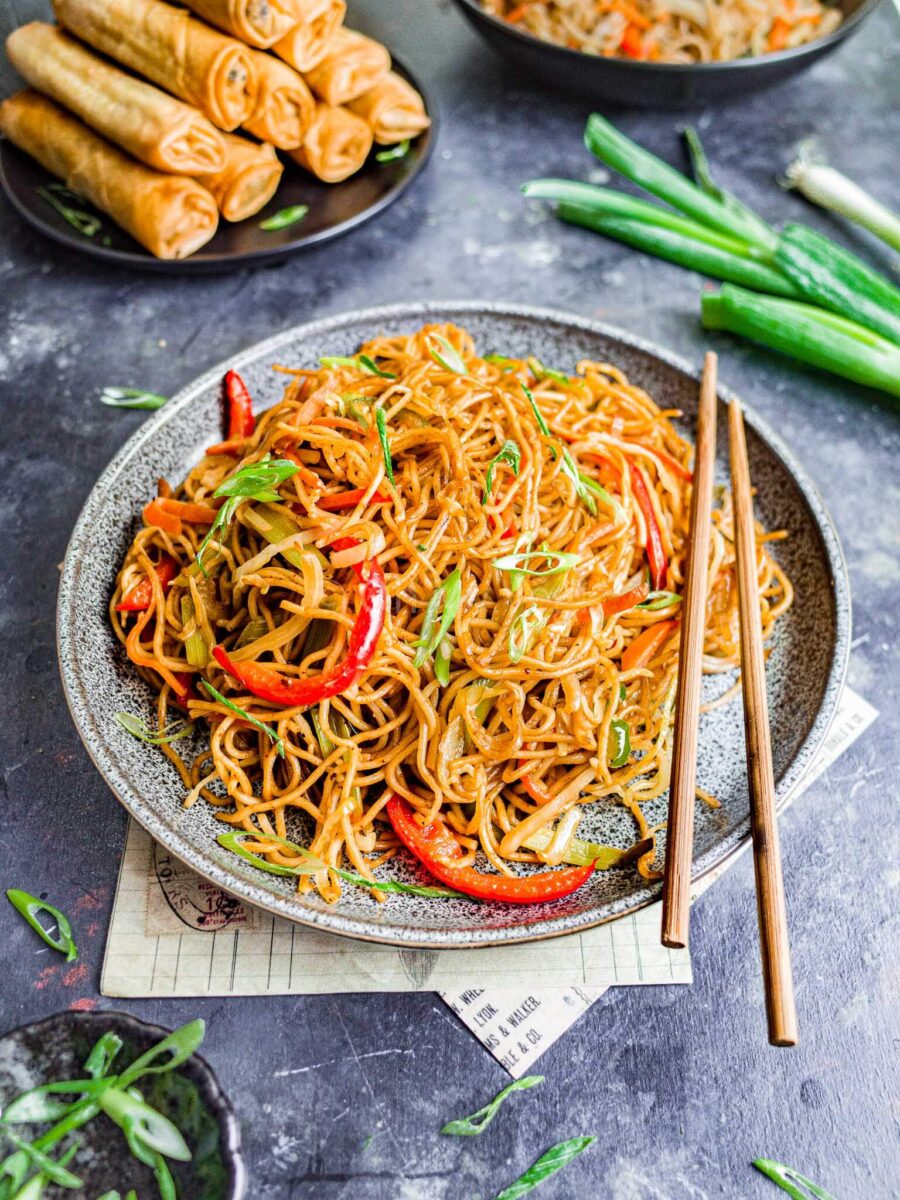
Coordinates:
<point>664,52</point>
<point>394,653</point>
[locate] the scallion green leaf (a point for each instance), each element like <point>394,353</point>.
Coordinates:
<point>140,1120</point>
<point>619,748</point>
<point>445,599</point>
<point>479,1121</point>
<point>29,906</point>
<point>245,716</point>
<point>85,223</point>
<point>548,1164</point>
<point>394,152</point>
<point>128,397</point>
<point>791,1181</point>
<point>523,630</point>
<point>138,728</point>
<point>54,1171</point>
<point>513,563</point>
<point>657,600</point>
<point>539,371</point>
<point>381,426</point>
<point>284,217</point>
<point>510,454</point>
<point>447,356</point>
<point>254,481</point>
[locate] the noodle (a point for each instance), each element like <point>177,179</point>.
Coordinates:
<point>541,671</point>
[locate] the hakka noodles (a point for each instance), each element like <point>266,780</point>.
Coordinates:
<point>430,598</point>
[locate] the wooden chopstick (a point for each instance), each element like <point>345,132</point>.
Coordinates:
<point>680,826</point>
<point>770,902</point>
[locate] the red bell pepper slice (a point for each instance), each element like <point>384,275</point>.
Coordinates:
<point>268,684</point>
<point>656,556</point>
<point>140,597</point>
<point>238,405</point>
<point>436,848</point>
<point>349,499</point>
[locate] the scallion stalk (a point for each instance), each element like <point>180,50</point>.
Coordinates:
<point>195,647</point>
<point>828,187</point>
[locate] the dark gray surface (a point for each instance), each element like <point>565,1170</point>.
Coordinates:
<point>677,1083</point>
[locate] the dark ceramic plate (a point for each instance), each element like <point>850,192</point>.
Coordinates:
<point>806,668</point>
<point>190,1095</point>
<point>333,209</point>
<point>655,85</point>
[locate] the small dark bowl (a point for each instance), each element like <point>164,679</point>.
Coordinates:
<point>190,1095</point>
<point>656,85</point>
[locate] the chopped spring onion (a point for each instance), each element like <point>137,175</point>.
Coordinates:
<point>362,362</point>
<point>138,728</point>
<point>150,1126</point>
<point>173,1050</point>
<point>619,749</point>
<point>255,481</point>
<point>372,368</point>
<point>580,853</point>
<point>29,906</point>
<point>266,729</point>
<point>276,526</point>
<point>195,647</point>
<point>824,185</point>
<point>479,1121</point>
<point>803,331</point>
<point>523,629</point>
<point>513,563</point>
<point>84,222</point>
<point>445,599</point>
<point>284,217</point>
<point>510,454</point>
<point>53,1170</point>
<point>585,488</point>
<point>393,152</point>
<point>657,600</point>
<point>447,356</point>
<point>233,841</point>
<point>254,629</point>
<point>548,1164</point>
<point>791,1181</point>
<point>381,426</point>
<point>128,397</point>
<point>540,372</point>
<point>442,657</point>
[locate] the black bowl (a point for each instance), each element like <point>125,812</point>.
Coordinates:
<point>653,85</point>
<point>190,1095</point>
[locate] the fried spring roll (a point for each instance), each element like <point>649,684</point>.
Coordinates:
<point>171,215</point>
<point>257,22</point>
<point>150,124</point>
<point>393,109</point>
<point>307,43</point>
<point>353,64</point>
<point>171,48</point>
<point>285,107</point>
<point>336,145</point>
<point>248,180</point>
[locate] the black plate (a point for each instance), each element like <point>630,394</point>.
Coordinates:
<point>654,85</point>
<point>333,209</point>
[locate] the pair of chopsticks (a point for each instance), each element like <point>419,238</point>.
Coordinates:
<point>770,902</point>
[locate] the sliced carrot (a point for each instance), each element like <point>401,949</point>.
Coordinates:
<point>349,499</point>
<point>517,14</point>
<point>154,514</point>
<point>632,44</point>
<point>673,464</point>
<point>194,514</point>
<point>233,446</point>
<point>778,34</point>
<point>647,645</point>
<point>617,604</point>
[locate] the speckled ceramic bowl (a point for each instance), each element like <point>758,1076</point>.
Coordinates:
<point>806,668</point>
<point>190,1095</point>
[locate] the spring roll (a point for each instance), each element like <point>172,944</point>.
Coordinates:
<point>393,109</point>
<point>171,215</point>
<point>336,145</point>
<point>354,64</point>
<point>171,48</point>
<point>307,43</point>
<point>152,125</point>
<point>257,22</point>
<point>248,180</point>
<point>285,107</point>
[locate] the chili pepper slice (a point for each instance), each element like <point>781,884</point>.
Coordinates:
<point>436,848</point>
<point>656,556</point>
<point>154,514</point>
<point>268,684</point>
<point>349,499</point>
<point>617,604</point>
<point>646,644</point>
<point>233,447</point>
<point>140,597</point>
<point>239,406</point>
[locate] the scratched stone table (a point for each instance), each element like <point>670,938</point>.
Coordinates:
<point>678,1084</point>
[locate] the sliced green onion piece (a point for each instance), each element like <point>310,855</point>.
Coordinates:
<point>445,599</point>
<point>371,367</point>
<point>442,656</point>
<point>266,729</point>
<point>497,359</point>
<point>657,600</point>
<point>254,629</point>
<point>138,728</point>
<point>82,221</point>
<point>619,748</point>
<point>582,484</point>
<point>447,356</point>
<point>276,526</point>
<point>523,629</point>
<point>580,853</point>
<point>254,481</point>
<point>548,1164</point>
<point>393,152</point>
<point>510,454</point>
<point>29,906</point>
<point>128,397</point>
<point>362,362</point>
<point>284,217</point>
<point>381,425</point>
<point>150,1126</point>
<point>38,1103</point>
<point>195,647</point>
<point>54,1171</point>
<point>513,563</point>
<point>101,1057</point>
<point>174,1049</point>
<point>791,1181</point>
<point>539,371</point>
<point>479,1121</point>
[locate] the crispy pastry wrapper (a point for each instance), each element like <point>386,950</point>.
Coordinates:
<point>354,64</point>
<point>393,109</point>
<point>336,145</point>
<point>248,180</point>
<point>172,49</point>
<point>259,23</point>
<point>285,107</point>
<point>161,131</point>
<point>170,215</point>
<point>307,43</point>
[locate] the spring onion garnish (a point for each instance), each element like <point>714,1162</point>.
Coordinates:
<point>285,217</point>
<point>138,728</point>
<point>539,371</point>
<point>195,648</point>
<point>362,362</point>
<point>523,629</point>
<point>85,223</point>
<point>255,481</point>
<point>393,152</point>
<point>791,1181</point>
<point>657,600</point>
<point>548,1164</point>
<point>54,1171</point>
<point>447,356</point>
<point>29,906</point>
<point>619,750</point>
<point>447,596</point>
<point>127,397</point>
<point>585,488</point>
<point>479,1121</point>
<point>824,185</point>
<point>510,454</point>
<point>442,657</point>
<point>516,563</point>
<point>703,177</point>
<point>266,729</point>
<point>381,426</point>
<point>135,1117</point>
<point>233,841</point>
